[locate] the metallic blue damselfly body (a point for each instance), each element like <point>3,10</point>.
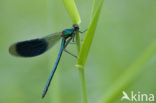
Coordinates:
<point>35,47</point>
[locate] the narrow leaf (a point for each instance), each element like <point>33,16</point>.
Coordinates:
<point>88,38</point>
<point>72,11</point>
<point>95,5</point>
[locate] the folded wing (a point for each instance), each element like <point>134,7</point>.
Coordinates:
<point>34,47</point>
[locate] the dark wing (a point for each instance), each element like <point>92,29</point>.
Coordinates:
<point>34,47</point>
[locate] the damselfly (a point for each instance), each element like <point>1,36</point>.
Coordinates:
<point>31,48</point>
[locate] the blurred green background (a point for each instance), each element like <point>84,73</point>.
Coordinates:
<point>125,30</point>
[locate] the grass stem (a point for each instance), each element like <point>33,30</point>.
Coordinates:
<point>83,83</point>
<point>82,73</point>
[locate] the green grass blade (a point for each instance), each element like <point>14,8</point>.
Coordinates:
<point>129,76</point>
<point>93,8</point>
<point>95,5</point>
<point>88,38</point>
<point>72,11</point>
<point>78,42</point>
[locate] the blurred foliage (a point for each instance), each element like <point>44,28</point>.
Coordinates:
<point>125,30</point>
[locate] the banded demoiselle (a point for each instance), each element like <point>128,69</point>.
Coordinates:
<point>35,47</point>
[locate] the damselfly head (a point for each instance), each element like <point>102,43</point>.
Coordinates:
<point>76,27</point>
